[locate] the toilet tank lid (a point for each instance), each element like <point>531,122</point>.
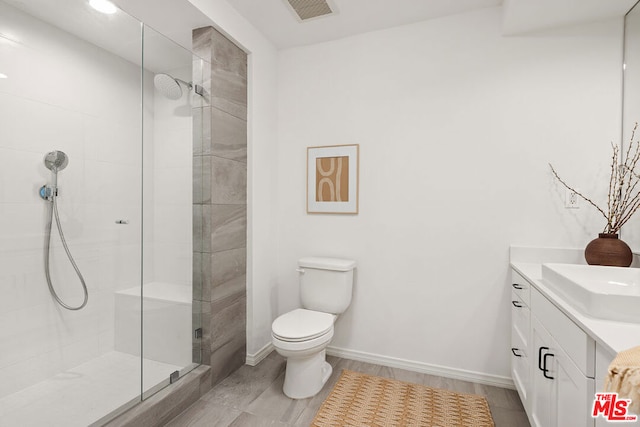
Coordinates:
<point>322,263</point>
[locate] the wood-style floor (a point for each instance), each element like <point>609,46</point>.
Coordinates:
<point>252,397</point>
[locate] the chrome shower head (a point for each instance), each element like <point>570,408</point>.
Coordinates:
<point>170,87</point>
<point>56,160</point>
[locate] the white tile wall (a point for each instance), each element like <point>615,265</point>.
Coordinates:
<point>173,175</point>
<point>66,94</point>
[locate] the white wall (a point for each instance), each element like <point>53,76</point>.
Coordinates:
<point>456,125</point>
<point>262,287</point>
<point>631,232</point>
<point>172,181</point>
<point>63,93</point>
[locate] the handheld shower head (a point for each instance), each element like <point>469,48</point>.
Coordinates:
<point>56,160</point>
<point>170,87</point>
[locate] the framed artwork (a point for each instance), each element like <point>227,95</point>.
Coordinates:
<point>332,179</point>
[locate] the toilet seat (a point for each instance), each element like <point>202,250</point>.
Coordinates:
<point>302,325</point>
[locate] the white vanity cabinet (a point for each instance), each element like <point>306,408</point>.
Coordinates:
<point>603,360</point>
<point>558,386</point>
<point>520,332</point>
<point>561,394</point>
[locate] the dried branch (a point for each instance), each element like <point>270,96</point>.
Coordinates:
<point>623,197</point>
<point>612,184</point>
<point>577,192</point>
<point>629,167</point>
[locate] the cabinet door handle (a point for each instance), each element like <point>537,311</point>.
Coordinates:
<point>513,350</point>
<point>544,363</point>
<point>540,350</point>
<point>516,304</point>
<point>515,285</point>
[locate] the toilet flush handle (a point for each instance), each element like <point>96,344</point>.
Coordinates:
<point>300,270</point>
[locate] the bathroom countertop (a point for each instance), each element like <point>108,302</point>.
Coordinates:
<point>613,336</point>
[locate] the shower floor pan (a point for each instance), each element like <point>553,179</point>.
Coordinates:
<point>82,395</point>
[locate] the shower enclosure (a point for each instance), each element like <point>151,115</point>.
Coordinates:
<point>97,305</point>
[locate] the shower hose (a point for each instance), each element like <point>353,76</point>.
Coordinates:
<point>47,253</point>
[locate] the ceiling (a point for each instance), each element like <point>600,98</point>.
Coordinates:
<point>276,20</point>
<point>165,49</point>
<point>522,16</point>
<point>173,18</point>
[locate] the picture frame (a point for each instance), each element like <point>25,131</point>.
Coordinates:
<point>332,179</point>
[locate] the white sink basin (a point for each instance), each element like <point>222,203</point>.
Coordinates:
<point>611,293</point>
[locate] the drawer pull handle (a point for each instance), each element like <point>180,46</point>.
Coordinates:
<point>540,350</point>
<point>516,304</point>
<point>515,285</point>
<point>544,364</point>
<point>513,350</point>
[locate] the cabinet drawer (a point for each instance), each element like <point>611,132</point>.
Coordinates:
<point>521,287</point>
<point>520,365</point>
<point>579,347</point>
<point>520,317</point>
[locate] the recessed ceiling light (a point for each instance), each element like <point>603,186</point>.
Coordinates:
<point>3,76</point>
<point>104,6</point>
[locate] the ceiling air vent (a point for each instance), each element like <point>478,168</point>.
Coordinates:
<point>307,9</point>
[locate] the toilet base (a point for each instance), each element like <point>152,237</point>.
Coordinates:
<point>305,376</point>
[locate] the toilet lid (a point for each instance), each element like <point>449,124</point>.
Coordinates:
<point>302,325</point>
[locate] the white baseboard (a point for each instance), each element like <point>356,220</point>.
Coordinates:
<point>425,368</point>
<point>254,359</point>
<point>393,362</point>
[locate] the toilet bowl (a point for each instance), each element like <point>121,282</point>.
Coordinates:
<point>302,335</point>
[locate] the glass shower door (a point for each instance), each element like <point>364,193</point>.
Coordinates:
<point>70,133</point>
<point>172,91</point>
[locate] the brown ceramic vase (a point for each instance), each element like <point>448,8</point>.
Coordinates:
<point>607,249</point>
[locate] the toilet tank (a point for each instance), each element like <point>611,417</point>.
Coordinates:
<point>326,284</point>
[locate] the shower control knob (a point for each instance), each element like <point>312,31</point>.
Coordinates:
<point>44,192</point>
<point>122,221</point>
<point>47,192</point>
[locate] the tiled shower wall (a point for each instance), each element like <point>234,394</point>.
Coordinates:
<point>167,195</point>
<point>220,201</point>
<point>63,93</point>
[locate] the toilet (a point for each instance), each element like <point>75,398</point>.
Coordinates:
<point>302,335</point>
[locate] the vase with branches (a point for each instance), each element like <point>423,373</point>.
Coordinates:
<point>623,201</point>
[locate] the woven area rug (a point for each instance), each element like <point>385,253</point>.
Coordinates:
<point>365,400</point>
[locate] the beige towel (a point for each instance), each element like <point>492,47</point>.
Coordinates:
<point>624,377</point>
